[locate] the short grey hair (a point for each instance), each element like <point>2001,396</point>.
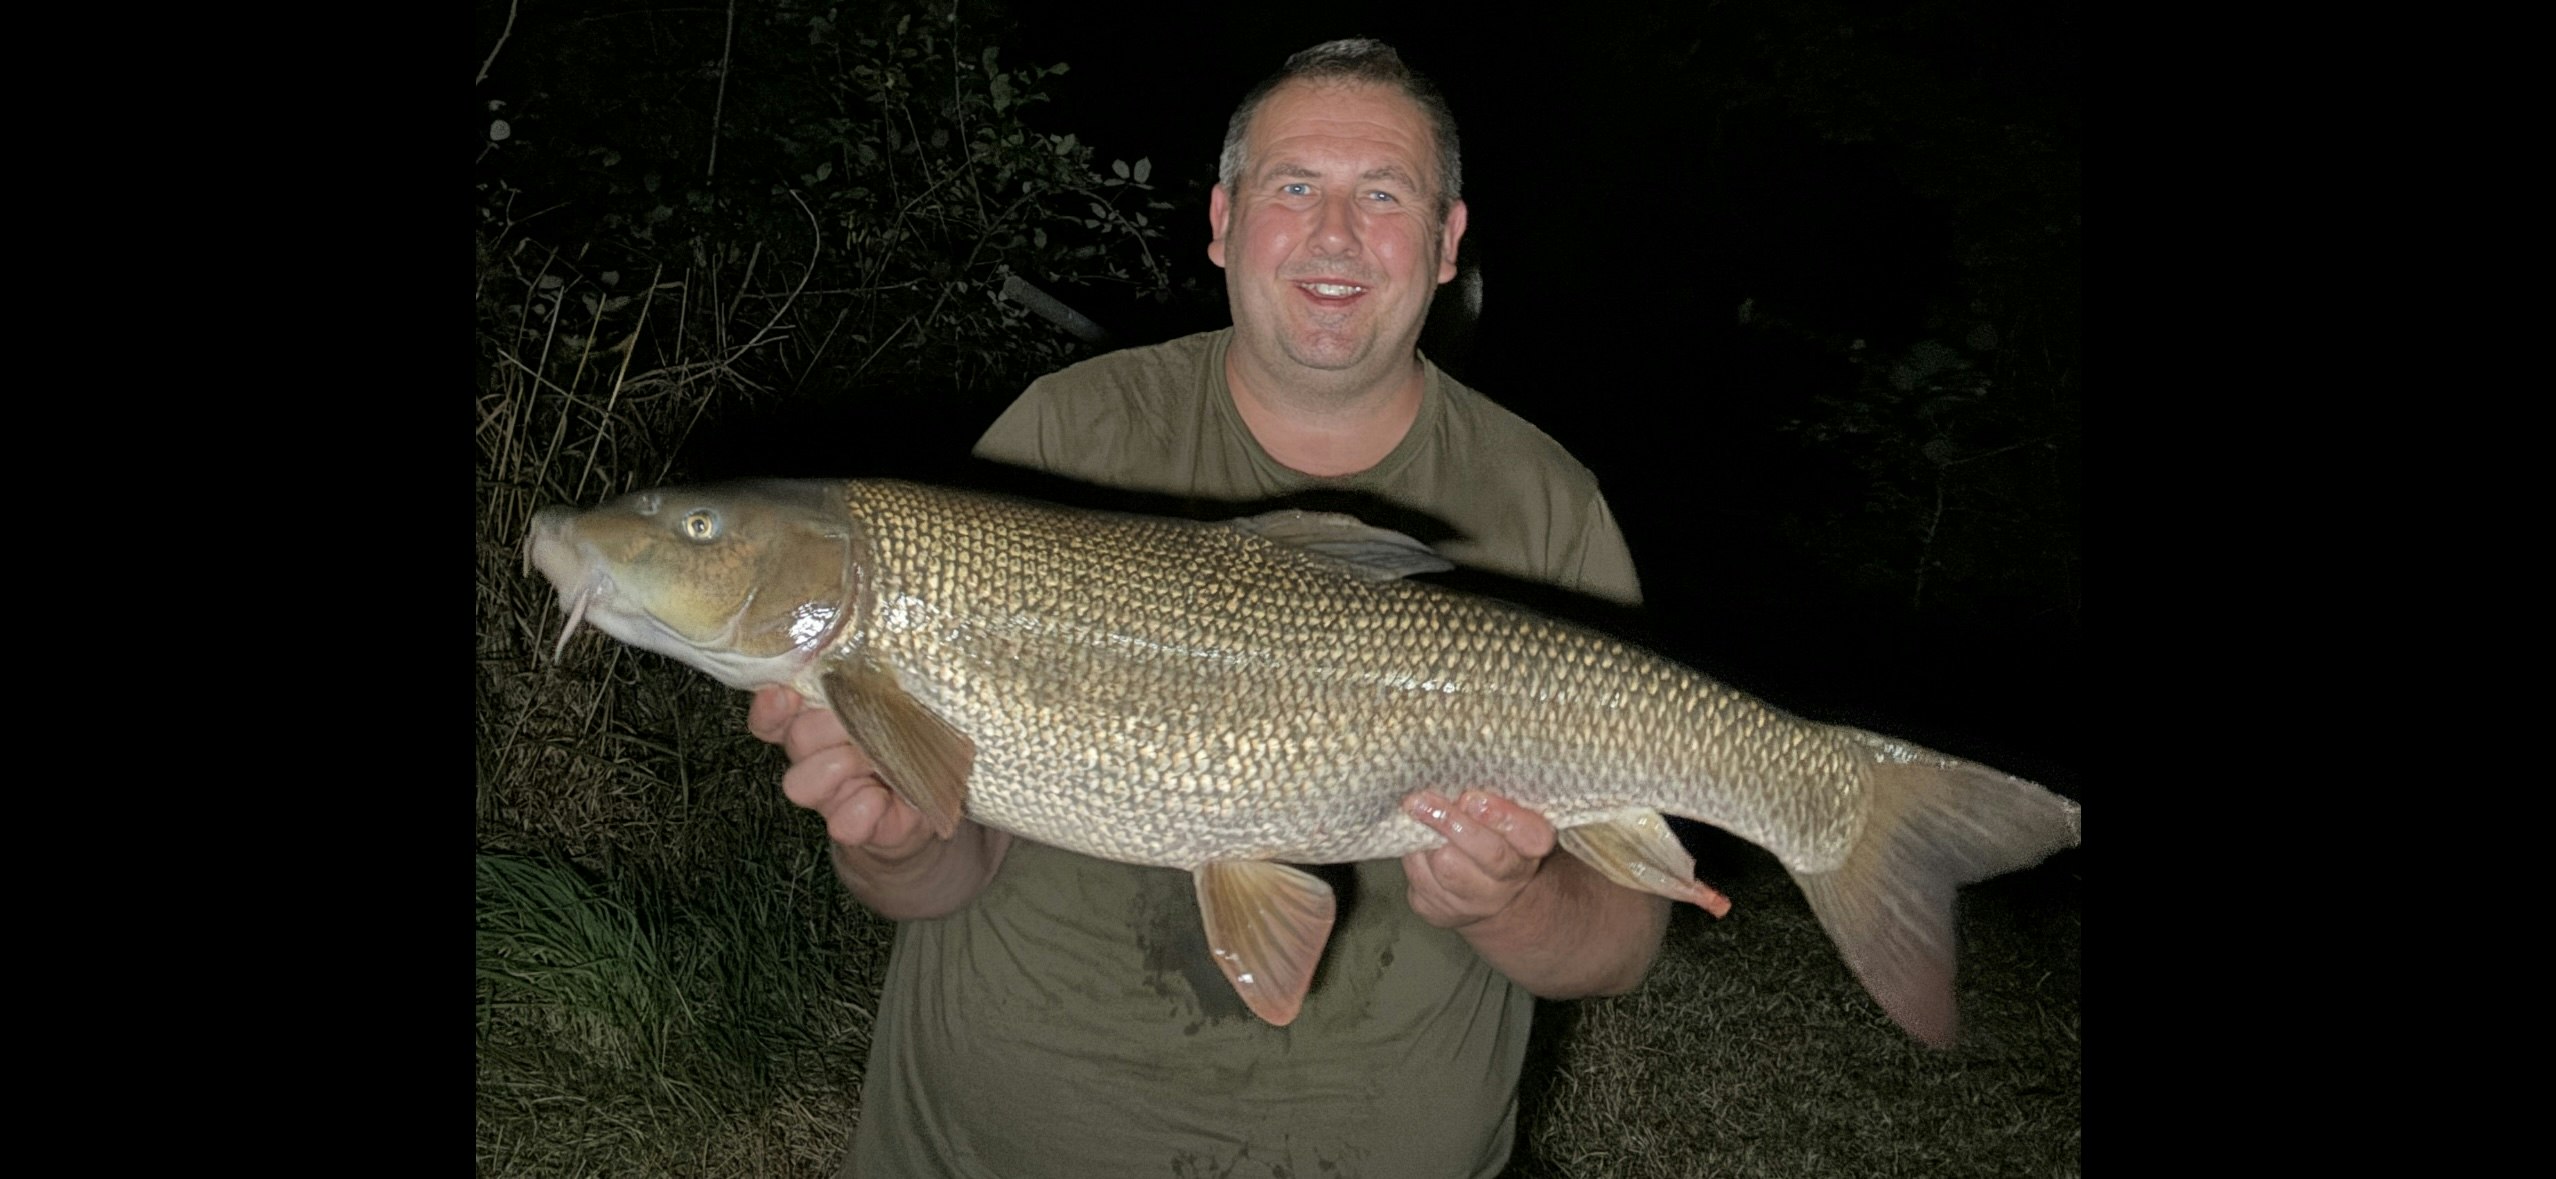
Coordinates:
<point>1355,60</point>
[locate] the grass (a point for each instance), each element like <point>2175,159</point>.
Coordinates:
<point>629,1024</point>
<point>671,982</point>
<point>1750,1051</point>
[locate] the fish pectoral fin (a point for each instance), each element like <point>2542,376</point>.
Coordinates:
<point>1640,852</point>
<point>919,755</point>
<point>1357,547</point>
<point>1266,925</point>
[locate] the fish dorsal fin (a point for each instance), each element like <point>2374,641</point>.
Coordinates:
<point>1266,925</point>
<point>919,755</point>
<point>1375,554</point>
<point>1638,851</point>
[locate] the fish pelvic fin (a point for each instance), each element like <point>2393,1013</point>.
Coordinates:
<point>920,756</point>
<point>1935,823</point>
<point>1640,852</point>
<point>1266,925</point>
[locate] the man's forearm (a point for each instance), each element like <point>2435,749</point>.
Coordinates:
<point>1573,933</point>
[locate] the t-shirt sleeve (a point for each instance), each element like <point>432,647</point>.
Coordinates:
<point>1598,562</point>
<point>1023,435</point>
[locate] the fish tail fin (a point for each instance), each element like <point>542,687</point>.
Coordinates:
<point>1935,824</point>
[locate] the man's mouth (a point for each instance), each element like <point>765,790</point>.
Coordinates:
<point>1331,290</point>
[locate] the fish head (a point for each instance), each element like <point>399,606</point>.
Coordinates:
<point>748,582</point>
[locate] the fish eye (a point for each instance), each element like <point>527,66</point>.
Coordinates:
<point>701,524</point>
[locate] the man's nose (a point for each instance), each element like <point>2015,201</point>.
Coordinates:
<point>1336,227</point>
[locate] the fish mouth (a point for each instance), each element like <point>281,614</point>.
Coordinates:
<point>593,600</point>
<point>565,565</point>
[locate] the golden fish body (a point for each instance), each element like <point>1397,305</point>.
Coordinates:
<point>1228,698</point>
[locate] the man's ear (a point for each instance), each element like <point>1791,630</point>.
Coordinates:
<point>1220,205</point>
<point>1449,235</point>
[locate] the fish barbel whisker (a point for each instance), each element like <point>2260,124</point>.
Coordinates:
<point>576,614</point>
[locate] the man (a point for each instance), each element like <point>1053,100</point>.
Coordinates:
<point>1047,1013</point>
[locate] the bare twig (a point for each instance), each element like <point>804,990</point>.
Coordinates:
<point>540,382</point>
<point>1926,551</point>
<point>958,113</point>
<point>629,348</point>
<point>720,106</point>
<point>710,275</point>
<point>700,405</point>
<point>804,275</point>
<point>550,335</point>
<point>833,291</point>
<point>501,42</point>
<point>1972,458</point>
<point>745,282</point>
<point>683,311</point>
<point>593,331</point>
<point>907,322</point>
<point>815,358</point>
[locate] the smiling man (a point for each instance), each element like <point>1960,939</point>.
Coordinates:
<point>1046,1013</point>
<point>1334,230</point>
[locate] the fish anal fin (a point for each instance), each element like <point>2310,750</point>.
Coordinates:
<point>1640,852</point>
<point>919,755</point>
<point>1266,926</point>
<point>1935,824</point>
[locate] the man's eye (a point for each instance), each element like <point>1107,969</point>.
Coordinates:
<point>1297,188</point>
<point>1381,195</point>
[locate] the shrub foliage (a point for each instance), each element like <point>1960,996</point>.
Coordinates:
<point>686,218</point>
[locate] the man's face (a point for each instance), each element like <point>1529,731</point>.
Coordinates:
<point>1330,243</point>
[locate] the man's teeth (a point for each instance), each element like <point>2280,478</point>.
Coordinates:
<point>1333,290</point>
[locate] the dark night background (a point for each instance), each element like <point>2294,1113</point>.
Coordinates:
<point>1900,174</point>
<point>1634,172</point>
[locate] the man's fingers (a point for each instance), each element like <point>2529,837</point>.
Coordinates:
<point>855,822</point>
<point>1525,831</point>
<point>770,715</point>
<point>815,730</point>
<point>1495,836</point>
<point>818,780</point>
<point>873,817</point>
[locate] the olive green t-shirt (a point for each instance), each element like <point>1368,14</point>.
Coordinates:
<point>1069,1021</point>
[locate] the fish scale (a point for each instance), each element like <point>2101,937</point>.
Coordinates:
<point>1232,698</point>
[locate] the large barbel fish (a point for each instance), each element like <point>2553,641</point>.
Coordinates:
<point>1232,698</point>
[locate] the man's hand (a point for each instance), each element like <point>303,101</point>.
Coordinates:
<point>1494,848</point>
<point>1550,923</point>
<point>830,775</point>
<point>882,848</point>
